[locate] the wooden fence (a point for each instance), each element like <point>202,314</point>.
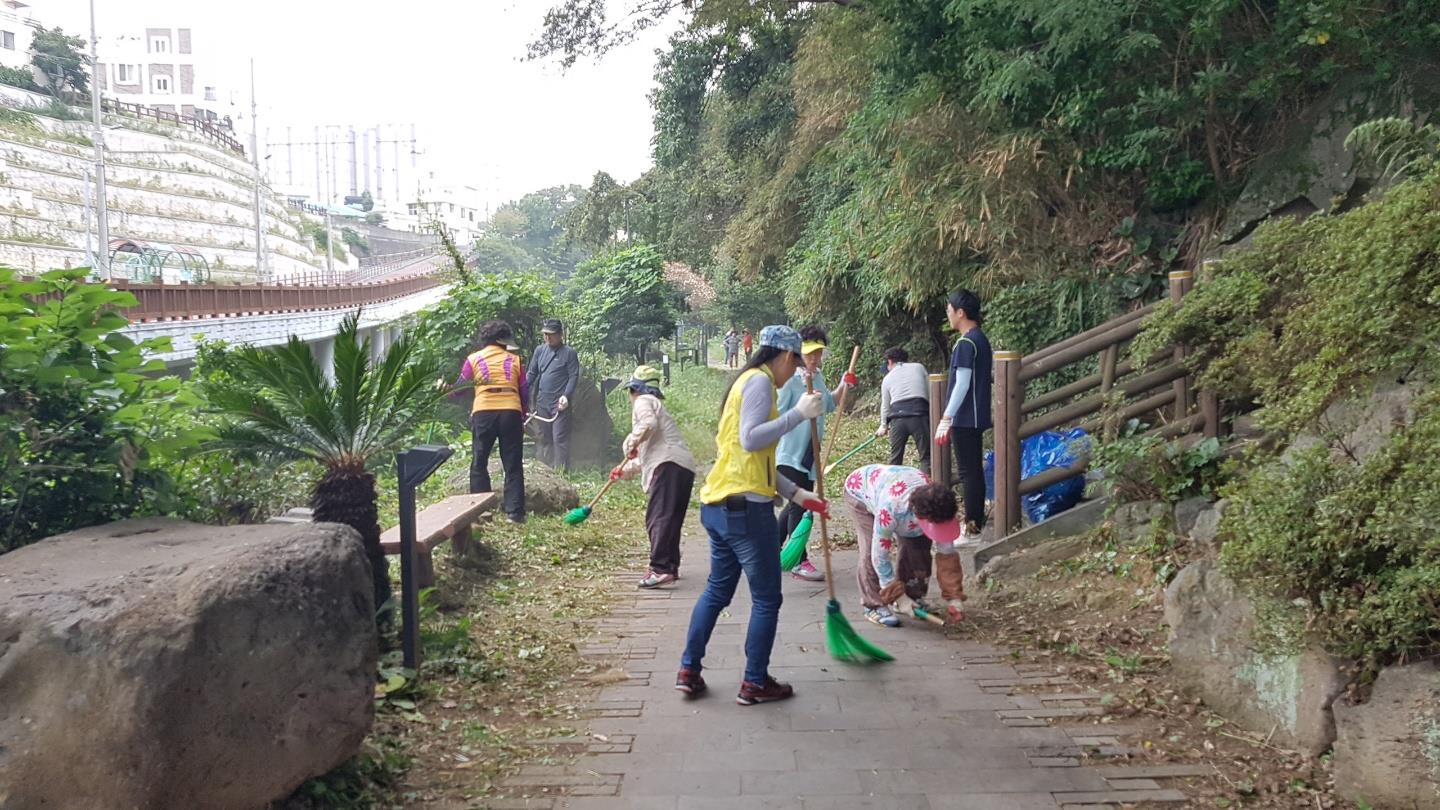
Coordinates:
<point>1158,389</point>
<point>209,129</point>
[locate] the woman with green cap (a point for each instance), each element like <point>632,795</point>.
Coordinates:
<point>737,509</point>
<point>656,451</point>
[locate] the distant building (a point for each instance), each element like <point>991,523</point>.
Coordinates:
<point>457,207</point>
<point>17,30</point>
<point>156,67</point>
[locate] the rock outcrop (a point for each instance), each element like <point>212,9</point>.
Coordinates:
<point>1387,753</point>
<point>157,663</point>
<point>1283,696</point>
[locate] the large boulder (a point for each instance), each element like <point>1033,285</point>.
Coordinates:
<point>1283,696</point>
<point>592,431</point>
<point>157,663</point>
<point>546,491</point>
<point>1387,753</point>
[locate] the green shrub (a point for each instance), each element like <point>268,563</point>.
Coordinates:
<point>82,412</point>
<point>1149,468</point>
<point>1351,542</point>
<point>1316,308</point>
<point>446,331</point>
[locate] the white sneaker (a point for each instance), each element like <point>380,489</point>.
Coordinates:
<point>969,534</point>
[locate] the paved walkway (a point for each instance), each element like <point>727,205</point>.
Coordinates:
<point>949,724</point>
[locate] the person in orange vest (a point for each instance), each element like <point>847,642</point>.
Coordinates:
<point>498,414</point>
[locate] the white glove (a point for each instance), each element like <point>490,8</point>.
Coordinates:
<point>810,406</point>
<point>882,430</point>
<point>562,403</point>
<point>942,431</point>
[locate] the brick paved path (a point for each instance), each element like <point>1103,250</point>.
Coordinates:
<point>950,724</point>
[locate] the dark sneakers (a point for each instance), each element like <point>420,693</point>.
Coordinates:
<point>690,682</point>
<point>771,690</point>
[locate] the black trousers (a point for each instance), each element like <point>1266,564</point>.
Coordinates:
<point>486,428</point>
<point>790,517</point>
<point>970,466</point>
<point>670,489</point>
<point>553,443</point>
<point>903,428</point>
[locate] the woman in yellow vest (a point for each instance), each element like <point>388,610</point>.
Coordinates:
<point>498,414</point>
<point>738,512</point>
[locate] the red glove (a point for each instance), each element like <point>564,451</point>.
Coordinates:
<point>850,379</point>
<point>811,502</point>
<point>617,473</point>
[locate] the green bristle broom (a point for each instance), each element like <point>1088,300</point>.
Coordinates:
<point>843,642</point>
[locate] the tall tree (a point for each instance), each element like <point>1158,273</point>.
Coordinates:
<point>60,58</point>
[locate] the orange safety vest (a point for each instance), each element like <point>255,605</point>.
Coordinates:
<point>497,375</point>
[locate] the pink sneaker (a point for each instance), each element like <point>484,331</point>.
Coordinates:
<point>807,572</point>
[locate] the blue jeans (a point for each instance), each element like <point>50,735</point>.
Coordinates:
<point>746,541</point>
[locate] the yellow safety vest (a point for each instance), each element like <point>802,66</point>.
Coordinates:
<point>497,379</point>
<point>738,471</point>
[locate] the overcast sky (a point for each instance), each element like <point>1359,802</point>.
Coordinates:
<point>483,115</point>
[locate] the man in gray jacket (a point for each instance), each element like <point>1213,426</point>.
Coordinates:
<point>905,407</point>
<point>553,373</point>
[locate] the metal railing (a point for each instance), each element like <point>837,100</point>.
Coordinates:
<point>159,302</point>
<point>1124,388</point>
<point>206,127</point>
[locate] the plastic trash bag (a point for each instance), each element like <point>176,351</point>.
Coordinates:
<point>1041,452</point>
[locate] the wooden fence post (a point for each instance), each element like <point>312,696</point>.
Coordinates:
<point>1009,396</point>
<point>940,467</point>
<point>1180,283</point>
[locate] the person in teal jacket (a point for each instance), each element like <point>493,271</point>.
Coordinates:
<point>794,457</point>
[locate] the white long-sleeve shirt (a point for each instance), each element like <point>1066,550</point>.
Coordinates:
<point>656,439</point>
<point>904,381</point>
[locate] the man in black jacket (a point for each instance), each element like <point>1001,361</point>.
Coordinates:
<point>553,375</point>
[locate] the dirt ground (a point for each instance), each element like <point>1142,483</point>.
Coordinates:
<point>1099,620</point>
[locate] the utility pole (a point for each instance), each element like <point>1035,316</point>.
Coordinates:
<point>329,234</point>
<point>379,166</point>
<point>260,270</point>
<point>319,189</point>
<point>354,166</point>
<point>102,211</point>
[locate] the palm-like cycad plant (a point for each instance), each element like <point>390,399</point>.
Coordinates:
<point>278,403</point>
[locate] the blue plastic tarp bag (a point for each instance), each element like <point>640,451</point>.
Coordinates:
<point>1041,452</point>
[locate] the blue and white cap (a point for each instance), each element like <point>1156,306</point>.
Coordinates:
<point>780,337</point>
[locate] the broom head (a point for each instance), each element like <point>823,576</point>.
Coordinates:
<point>844,643</point>
<point>794,548</point>
<point>576,515</point>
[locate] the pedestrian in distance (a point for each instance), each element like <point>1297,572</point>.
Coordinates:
<point>905,406</point>
<point>554,373</point>
<point>967,411</point>
<point>896,508</point>
<point>747,343</point>
<point>732,348</point>
<point>795,455</point>
<point>497,414</point>
<point>738,513</point>
<point>656,452</point>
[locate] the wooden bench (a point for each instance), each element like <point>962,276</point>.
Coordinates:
<point>450,519</point>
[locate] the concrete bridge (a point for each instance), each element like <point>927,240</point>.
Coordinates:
<point>268,314</point>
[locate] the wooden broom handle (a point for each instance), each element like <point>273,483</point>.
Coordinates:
<point>839,411</point>
<point>820,487</point>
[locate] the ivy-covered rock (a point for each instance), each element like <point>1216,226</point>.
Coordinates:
<point>1215,652</point>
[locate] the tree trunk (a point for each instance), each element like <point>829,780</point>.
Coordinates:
<point>346,495</point>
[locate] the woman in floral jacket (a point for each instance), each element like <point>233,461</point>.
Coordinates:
<point>897,508</point>
<point>656,452</point>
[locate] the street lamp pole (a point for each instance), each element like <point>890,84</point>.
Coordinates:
<point>102,211</point>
